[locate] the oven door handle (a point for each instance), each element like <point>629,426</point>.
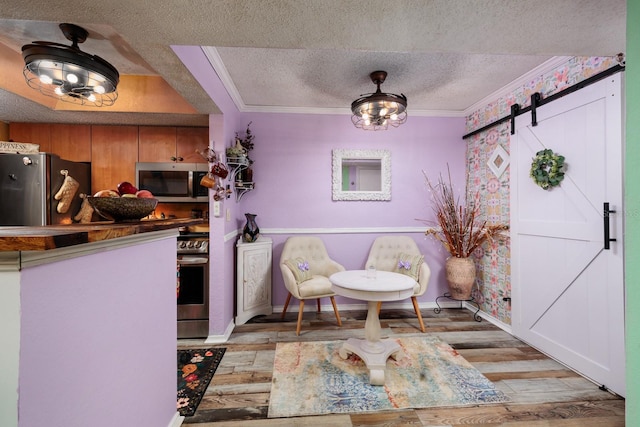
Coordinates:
<point>192,260</point>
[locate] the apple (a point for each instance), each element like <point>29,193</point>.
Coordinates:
<point>144,194</point>
<point>106,193</point>
<point>130,196</point>
<point>126,187</point>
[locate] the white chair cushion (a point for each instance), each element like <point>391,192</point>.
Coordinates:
<point>315,287</point>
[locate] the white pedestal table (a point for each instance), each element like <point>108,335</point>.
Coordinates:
<point>385,286</point>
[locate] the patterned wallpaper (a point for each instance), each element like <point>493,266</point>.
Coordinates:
<point>491,191</point>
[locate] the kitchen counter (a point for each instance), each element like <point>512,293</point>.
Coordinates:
<point>14,238</point>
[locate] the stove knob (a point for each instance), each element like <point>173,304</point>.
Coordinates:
<point>182,244</point>
<point>197,244</point>
<point>190,244</point>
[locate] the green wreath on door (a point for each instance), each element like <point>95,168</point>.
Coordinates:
<point>547,169</point>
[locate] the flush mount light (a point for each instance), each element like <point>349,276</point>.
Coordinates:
<point>67,73</point>
<point>379,110</point>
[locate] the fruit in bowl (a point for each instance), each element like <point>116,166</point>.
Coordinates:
<point>125,187</point>
<point>107,193</point>
<point>123,208</point>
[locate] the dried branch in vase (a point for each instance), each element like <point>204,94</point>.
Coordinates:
<point>460,230</point>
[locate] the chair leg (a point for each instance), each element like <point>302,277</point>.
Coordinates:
<point>335,310</point>
<point>318,300</point>
<point>417,309</point>
<point>301,309</point>
<point>286,304</point>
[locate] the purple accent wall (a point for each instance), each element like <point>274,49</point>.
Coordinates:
<point>98,339</point>
<point>292,171</point>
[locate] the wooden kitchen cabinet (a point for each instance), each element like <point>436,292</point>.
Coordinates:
<point>114,153</point>
<point>34,133</point>
<point>71,142</point>
<point>157,144</point>
<point>253,279</point>
<point>172,144</point>
<point>188,140</point>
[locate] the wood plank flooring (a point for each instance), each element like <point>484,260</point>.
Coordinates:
<point>544,393</point>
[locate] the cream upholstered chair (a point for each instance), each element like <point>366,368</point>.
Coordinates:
<point>306,267</point>
<point>385,254</point>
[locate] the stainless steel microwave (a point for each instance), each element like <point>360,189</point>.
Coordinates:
<point>173,182</point>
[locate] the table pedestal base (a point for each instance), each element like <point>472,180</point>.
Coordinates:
<point>374,354</point>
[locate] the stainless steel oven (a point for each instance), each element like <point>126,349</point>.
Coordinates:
<point>193,285</point>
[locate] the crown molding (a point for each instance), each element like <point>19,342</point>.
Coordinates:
<point>216,62</point>
<point>218,67</point>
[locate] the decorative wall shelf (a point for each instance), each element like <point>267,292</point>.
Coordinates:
<point>236,165</point>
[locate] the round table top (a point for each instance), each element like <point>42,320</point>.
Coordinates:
<point>386,286</point>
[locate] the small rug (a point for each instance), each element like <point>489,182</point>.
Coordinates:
<point>310,378</point>
<point>195,370</point>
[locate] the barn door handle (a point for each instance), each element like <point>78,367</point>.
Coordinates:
<point>607,239</point>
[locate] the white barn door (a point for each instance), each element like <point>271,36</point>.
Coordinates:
<point>567,290</point>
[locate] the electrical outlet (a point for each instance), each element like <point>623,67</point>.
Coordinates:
<point>216,209</point>
<point>228,215</point>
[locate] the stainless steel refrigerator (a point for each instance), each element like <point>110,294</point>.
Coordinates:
<point>29,184</point>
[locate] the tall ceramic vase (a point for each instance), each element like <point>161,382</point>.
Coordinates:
<point>461,275</point>
<point>250,232</point>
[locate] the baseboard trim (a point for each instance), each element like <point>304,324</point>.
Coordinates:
<point>504,326</point>
<point>177,420</point>
<point>221,339</point>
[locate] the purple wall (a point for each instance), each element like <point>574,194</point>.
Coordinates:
<point>292,170</point>
<point>98,339</point>
<point>222,128</point>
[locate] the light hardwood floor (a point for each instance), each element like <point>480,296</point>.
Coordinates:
<point>543,392</point>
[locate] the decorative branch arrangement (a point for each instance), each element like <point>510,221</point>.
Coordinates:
<point>459,228</point>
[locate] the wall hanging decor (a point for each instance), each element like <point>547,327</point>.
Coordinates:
<point>239,163</point>
<point>498,161</point>
<point>217,172</point>
<point>547,169</point>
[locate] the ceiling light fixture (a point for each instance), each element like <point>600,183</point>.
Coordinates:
<point>376,111</point>
<point>66,73</point>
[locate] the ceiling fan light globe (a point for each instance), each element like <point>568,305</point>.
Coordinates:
<point>45,79</point>
<point>45,64</point>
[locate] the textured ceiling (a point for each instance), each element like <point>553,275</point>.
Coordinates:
<point>314,55</point>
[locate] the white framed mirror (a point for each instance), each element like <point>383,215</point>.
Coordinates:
<point>361,174</point>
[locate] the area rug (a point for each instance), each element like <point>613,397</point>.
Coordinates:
<point>195,370</point>
<point>310,378</point>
